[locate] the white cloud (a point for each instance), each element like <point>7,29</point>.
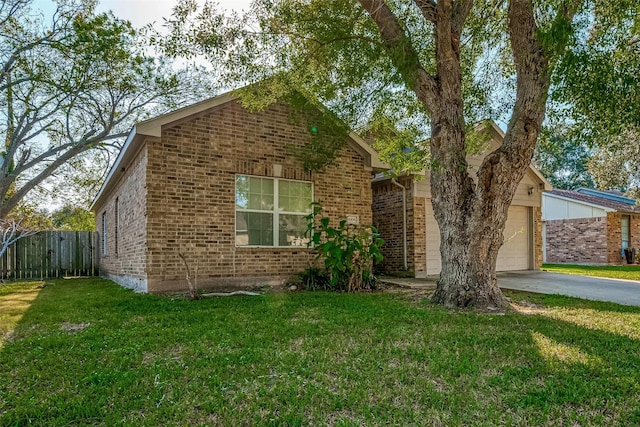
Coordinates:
<point>143,12</point>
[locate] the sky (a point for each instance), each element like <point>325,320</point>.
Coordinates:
<point>139,13</point>
<point>143,12</point>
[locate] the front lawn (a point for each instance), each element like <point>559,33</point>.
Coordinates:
<point>629,272</point>
<point>87,352</point>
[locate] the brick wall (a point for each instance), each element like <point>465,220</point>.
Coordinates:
<point>537,237</point>
<point>125,262</point>
<point>191,195</point>
<point>419,235</point>
<point>582,240</point>
<point>635,233</point>
<point>614,238</point>
<point>388,219</point>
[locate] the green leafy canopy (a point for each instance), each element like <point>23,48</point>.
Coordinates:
<point>332,52</point>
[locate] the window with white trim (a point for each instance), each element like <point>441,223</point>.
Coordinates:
<point>272,211</point>
<point>626,219</point>
<point>117,226</point>
<point>104,233</point>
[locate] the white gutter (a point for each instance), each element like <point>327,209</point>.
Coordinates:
<point>404,221</point>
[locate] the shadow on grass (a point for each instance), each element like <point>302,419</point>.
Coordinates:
<point>314,359</point>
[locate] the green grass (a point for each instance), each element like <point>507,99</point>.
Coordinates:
<point>629,272</point>
<point>87,352</point>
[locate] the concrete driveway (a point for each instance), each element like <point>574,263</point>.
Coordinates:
<point>594,288</point>
<point>625,292</point>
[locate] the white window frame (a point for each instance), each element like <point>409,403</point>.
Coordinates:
<point>116,215</point>
<point>275,212</point>
<point>104,233</point>
<point>627,219</point>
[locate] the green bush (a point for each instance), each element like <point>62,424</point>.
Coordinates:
<point>314,279</point>
<point>349,251</point>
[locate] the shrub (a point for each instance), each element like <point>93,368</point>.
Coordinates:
<point>314,279</point>
<point>349,251</point>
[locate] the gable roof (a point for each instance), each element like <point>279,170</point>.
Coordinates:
<point>616,196</point>
<point>498,136</point>
<point>153,127</point>
<point>592,200</point>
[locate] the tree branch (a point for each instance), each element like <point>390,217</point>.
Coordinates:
<point>461,11</point>
<point>532,85</point>
<point>12,201</point>
<point>428,9</point>
<point>402,53</point>
<point>11,231</point>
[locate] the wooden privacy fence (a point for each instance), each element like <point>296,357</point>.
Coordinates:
<point>50,254</point>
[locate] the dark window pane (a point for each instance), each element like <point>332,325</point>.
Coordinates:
<point>254,229</point>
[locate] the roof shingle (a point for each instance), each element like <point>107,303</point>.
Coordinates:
<point>600,201</point>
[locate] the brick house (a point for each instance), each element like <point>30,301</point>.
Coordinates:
<point>418,254</point>
<point>218,184</point>
<point>589,226</point>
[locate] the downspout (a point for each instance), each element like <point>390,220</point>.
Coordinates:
<point>404,221</point>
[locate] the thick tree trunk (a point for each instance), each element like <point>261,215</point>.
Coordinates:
<point>471,219</point>
<point>471,211</point>
<point>472,214</point>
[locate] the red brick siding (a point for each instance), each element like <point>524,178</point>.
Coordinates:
<point>537,237</point>
<point>614,238</point>
<point>191,194</point>
<point>388,219</point>
<point>582,240</point>
<point>419,235</point>
<point>127,265</point>
<point>634,231</point>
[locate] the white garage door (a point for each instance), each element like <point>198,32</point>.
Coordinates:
<point>514,254</point>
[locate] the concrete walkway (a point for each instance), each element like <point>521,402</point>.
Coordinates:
<point>625,292</point>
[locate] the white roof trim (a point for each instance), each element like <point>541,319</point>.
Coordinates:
<point>153,127</point>
<point>581,202</point>
<point>115,167</point>
<point>366,149</point>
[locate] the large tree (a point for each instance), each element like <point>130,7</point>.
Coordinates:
<point>69,83</point>
<point>433,65</point>
<point>563,159</point>
<point>615,164</point>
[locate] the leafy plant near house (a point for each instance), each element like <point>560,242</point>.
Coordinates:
<point>349,252</point>
<point>314,279</point>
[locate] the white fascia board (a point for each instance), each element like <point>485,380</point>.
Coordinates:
<point>581,202</point>
<point>366,150</point>
<point>115,167</point>
<point>153,127</point>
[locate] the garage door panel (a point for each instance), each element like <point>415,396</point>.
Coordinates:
<point>433,242</point>
<point>514,254</point>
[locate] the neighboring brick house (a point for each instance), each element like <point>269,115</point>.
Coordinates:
<point>589,226</point>
<point>219,184</point>
<point>420,257</point>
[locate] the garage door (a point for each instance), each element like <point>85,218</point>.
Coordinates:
<point>514,254</point>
